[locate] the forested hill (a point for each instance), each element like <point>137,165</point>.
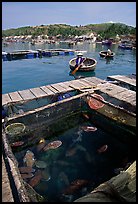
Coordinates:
<point>105,30</point>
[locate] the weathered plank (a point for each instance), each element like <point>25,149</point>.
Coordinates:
<point>65,85</point>
<point>6,189</point>
<point>124,79</point>
<point>77,84</point>
<point>15,96</point>
<point>38,92</point>
<point>94,80</point>
<point>58,87</point>
<point>52,89</point>
<point>26,94</point>
<point>90,83</point>
<point>111,89</point>
<point>47,90</point>
<point>6,99</point>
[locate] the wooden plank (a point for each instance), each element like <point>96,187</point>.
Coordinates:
<point>111,89</point>
<point>66,86</point>
<point>58,87</point>
<point>88,82</point>
<point>52,89</point>
<point>47,90</point>
<point>119,93</point>
<point>124,79</point>
<point>26,94</point>
<point>95,80</point>
<point>6,99</point>
<point>38,92</point>
<point>76,84</point>
<point>15,96</point>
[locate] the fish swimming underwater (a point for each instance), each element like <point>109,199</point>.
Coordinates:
<point>88,128</point>
<point>102,149</point>
<point>53,145</point>
<point>41,145</point>
<point>26,169</point>
<point>17,144</point>
<point>36,179</point>
<point>29,158</point>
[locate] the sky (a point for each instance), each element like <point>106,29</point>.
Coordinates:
<point>21,14</point>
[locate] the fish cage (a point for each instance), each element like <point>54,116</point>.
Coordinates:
<point>65,149</point>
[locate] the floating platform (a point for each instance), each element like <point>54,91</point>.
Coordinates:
<point>29,54</point>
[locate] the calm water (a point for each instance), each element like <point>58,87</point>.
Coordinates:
<point>30,73</point>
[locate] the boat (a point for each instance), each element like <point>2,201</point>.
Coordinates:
<point>104,54</point>
<point>89,64</point>
<point>125,46</point>
<point>107,42</point>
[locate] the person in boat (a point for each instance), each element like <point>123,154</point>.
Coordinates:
<point>79,59</point>
<point>109,52</point>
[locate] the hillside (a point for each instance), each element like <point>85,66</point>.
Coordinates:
<point>105,30</point>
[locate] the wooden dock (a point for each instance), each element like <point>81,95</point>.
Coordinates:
<point>88,83</point>
<point>128,82</point>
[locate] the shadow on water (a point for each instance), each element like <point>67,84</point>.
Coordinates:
<point>79,75</point>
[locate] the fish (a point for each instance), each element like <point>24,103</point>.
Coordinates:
<point>86,116</point>
<point>88,128</point>
<point>102,149</point>
<point>25,176</point>
<point>41,145</point>
<point>25,169</point>
<point>36,179</point>
<point>75,186</point>
<point>29,159</point>
<point>53,145</point>
<point>17,144</point>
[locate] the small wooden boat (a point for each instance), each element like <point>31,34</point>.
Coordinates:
<point>125,46</point>
<point>89,64</point>
<point>107,42</point>
<point>105,55</point>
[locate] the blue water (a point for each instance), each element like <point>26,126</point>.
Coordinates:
<point>29,73</point>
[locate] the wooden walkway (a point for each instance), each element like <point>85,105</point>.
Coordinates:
<point>113,90</point>
<point>124,81</point>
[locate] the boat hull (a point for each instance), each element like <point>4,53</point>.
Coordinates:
<point>89,64</point>
<point>104,54</point>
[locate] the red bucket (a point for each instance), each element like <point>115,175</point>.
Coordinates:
<point>94,103</point>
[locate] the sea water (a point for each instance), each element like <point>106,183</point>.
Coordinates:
<point>30,73</point>
<point>77,159</point>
